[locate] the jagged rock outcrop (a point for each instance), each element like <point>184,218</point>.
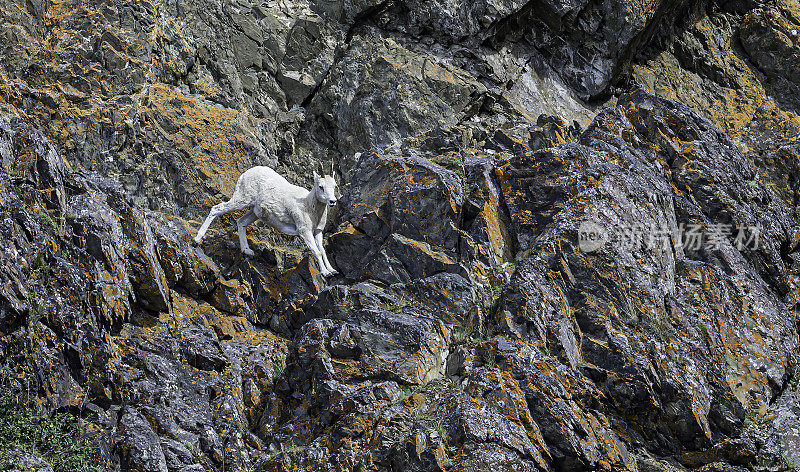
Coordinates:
<point>478,324</point>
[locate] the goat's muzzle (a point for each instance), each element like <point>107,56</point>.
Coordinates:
<point>332,203</point>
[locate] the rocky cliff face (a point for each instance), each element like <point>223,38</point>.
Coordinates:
<point>471,328</point>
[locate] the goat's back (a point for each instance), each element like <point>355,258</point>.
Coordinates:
<point>259,182</point>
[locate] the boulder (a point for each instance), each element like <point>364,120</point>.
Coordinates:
<point>137,444</point>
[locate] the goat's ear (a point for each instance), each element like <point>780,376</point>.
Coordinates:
<point>316,177</point>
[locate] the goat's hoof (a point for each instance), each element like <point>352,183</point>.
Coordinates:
<point>248,252</point>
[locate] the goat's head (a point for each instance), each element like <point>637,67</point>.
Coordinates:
<point>325,189</point>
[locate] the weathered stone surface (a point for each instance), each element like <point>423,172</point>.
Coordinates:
<point>101,323</point>
<point>230,296</point>
<point>403,221</point>
<point>776,433</point>
<point>697,63</point>
<point>404,346</point>
<point>184,265</point>
<point>469,329</point>
<point>429,94</point>
<point>589,317</point>
<point>771,38</point>
<point>18,460</point>
<point>201,91</point>
<point>138,445</point>
<point>278,296</point>
<point>116,234</point>
<point>586,42</point>
<point>451,296</point>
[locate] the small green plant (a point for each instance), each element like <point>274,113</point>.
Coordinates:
<point>496,280</point>
<point>407,392</point>
<point>13,173</point>
<point>753,419</point>
<point>794,381</point>
<point>704,331</point>
<point>291,451</point>
<point>278,366</point>
<point>460,336</point>
<point>439,427</point>
<point>46,219</point>
<point>460,164</point>
<point>489,360</point>
<point>495,289</point>
<point>190,447</point>
<point>36,313</point>
<point>294,449</point>
<point>61,227</point>
<point>55,437</point>
<point>399,305</point>
<point>41,265</point>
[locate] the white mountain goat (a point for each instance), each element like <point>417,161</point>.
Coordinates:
<point>288,208</point>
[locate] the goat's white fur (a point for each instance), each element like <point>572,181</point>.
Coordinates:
<point>286,207</point>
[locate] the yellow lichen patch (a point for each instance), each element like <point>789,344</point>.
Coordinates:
<point>421,67</point>
<point>91,84</point>
<point>516,409</point>
<point>206,85</point>
<point>345,369</point>
<point>734,108</point>
<point>792,6</point>
<point>209,135</point>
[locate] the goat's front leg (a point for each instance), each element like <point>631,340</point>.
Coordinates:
<point>318,239</point>
<point>308,237</point>
<point>241,225</point>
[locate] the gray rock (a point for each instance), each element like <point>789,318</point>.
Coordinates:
<point>17,460</point>
<point>352,102</point>
<point>399,231</point>
<point>184,264</point>
<point>138,445</point>
<point>777,433</point>
<point>425,354</point>
<point>770,37</point>
<point>585,325</point>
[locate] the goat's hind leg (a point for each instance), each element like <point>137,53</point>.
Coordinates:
<point>241,225</point>
<point>231,205</point>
